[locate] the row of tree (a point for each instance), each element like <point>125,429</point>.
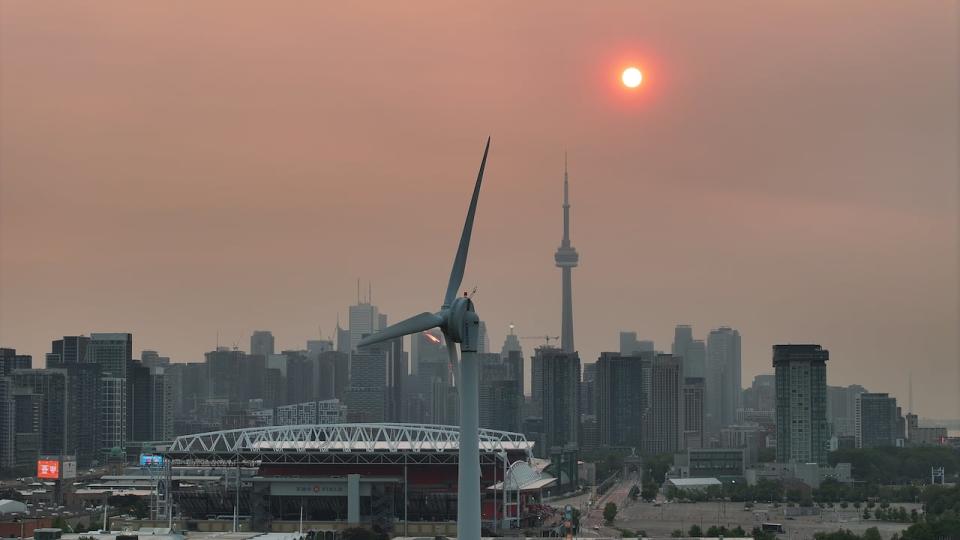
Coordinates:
<point>896,465</point>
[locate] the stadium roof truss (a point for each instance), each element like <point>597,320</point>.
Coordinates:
<point>340,443</point>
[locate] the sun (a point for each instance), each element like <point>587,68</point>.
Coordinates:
<point>631,77</point>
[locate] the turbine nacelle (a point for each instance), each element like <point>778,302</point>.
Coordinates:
<point>463,324</point>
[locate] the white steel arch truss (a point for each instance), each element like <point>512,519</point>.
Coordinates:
<point>268,443</point>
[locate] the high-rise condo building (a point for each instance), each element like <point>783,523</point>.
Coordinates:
<point>112,352</point>
<point>724,388</point>
<point>620,402</point>
<point>663,425</point>
<point>262,343</point>
<point>801,394</point>
<point>876,421</point>
<point>560,398</point>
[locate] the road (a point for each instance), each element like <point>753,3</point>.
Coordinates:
<point>591,515</point>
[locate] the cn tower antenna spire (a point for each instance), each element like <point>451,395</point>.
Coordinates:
<point>566,259</point>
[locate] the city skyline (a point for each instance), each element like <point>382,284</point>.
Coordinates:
<point>197,189</point>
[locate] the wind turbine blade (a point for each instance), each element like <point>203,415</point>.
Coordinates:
<point>460,262</point>
<point>417,323</point>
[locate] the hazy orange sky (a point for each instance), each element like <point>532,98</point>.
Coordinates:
<point>789,169</point>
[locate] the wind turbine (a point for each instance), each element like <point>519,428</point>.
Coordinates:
<point>458,321</point>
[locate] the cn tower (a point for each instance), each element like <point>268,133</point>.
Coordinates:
<point>566,259</point>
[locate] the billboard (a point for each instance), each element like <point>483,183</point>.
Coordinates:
<point>68,468</point>
<point>151,460</point>
<point>48,468</point>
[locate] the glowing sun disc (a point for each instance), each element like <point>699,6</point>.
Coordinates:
<point>632,77</point>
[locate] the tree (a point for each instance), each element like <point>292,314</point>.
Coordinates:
<point>695,531</point>
<point>634,492</point>
<point>609,513</point>
<point>738,531</point>
<point>866,514</point>
<point>359,533</point>
<point>871,534</point>
<point>649,491</point>
<point>677,533</point>
<point>759,534</point>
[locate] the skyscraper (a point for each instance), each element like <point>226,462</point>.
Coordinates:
<point>112,352</point>
<point>511,343</point>
<point>10,360</point>
<point>724,388</point>
<point>801,390</point>
<point>682,338</point>
<point>262,343</point>
<point>7,424</point>
<point>663,425</point>
<point>693,391</point>
<point>83,381</point>
<point>566,259</point>
<point>842,409</point>
<point>876,420</point>
<point>629,344</point>
<point>70,350</point>
<point>620,402</point>
<point>367,396</point>
<point>560,397</point>
<point>364,321</point>
<point>500,393</point>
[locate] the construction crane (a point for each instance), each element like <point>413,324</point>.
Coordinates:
<point>544,338</point>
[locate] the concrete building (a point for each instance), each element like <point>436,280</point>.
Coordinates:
<point>663,425</point>
<point>329,411</point>
<point>724,386</point>
<point>262,343</point>
<point>364,321</point>
<point>10,360</point>
<point>112,352</point>
<point>629,344</point>
<point>801,393</point>
<point>725,464</point>
<point>620,401</point>
<point>842,409</point>
<point>876,421</point>
<point>560,403</point>
<point>366,398</point>
<point>501,394</point>
<point>7,424</point>
<point>694,389</point>
<point>52,385</point>
<point>69,350</point>
<point>511,343</point>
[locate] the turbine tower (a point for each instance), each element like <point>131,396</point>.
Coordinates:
<point>566,259</point>
<point>458,321</point>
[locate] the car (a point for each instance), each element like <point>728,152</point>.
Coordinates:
<point>596,527</point>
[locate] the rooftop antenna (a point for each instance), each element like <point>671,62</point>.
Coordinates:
<point>910,391</point>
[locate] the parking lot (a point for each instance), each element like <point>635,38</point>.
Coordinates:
<point>662,520</point>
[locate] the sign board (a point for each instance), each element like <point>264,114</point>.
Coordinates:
<point>68,469</point>
<point>151,460</point>
<point>315,489</point>
<point>48,469</point>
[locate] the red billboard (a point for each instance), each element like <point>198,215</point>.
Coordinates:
<point>49,469</point>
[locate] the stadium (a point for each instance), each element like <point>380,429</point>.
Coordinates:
<point>399,478</point>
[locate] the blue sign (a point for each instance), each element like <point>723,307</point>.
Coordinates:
<point>151,460</point>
